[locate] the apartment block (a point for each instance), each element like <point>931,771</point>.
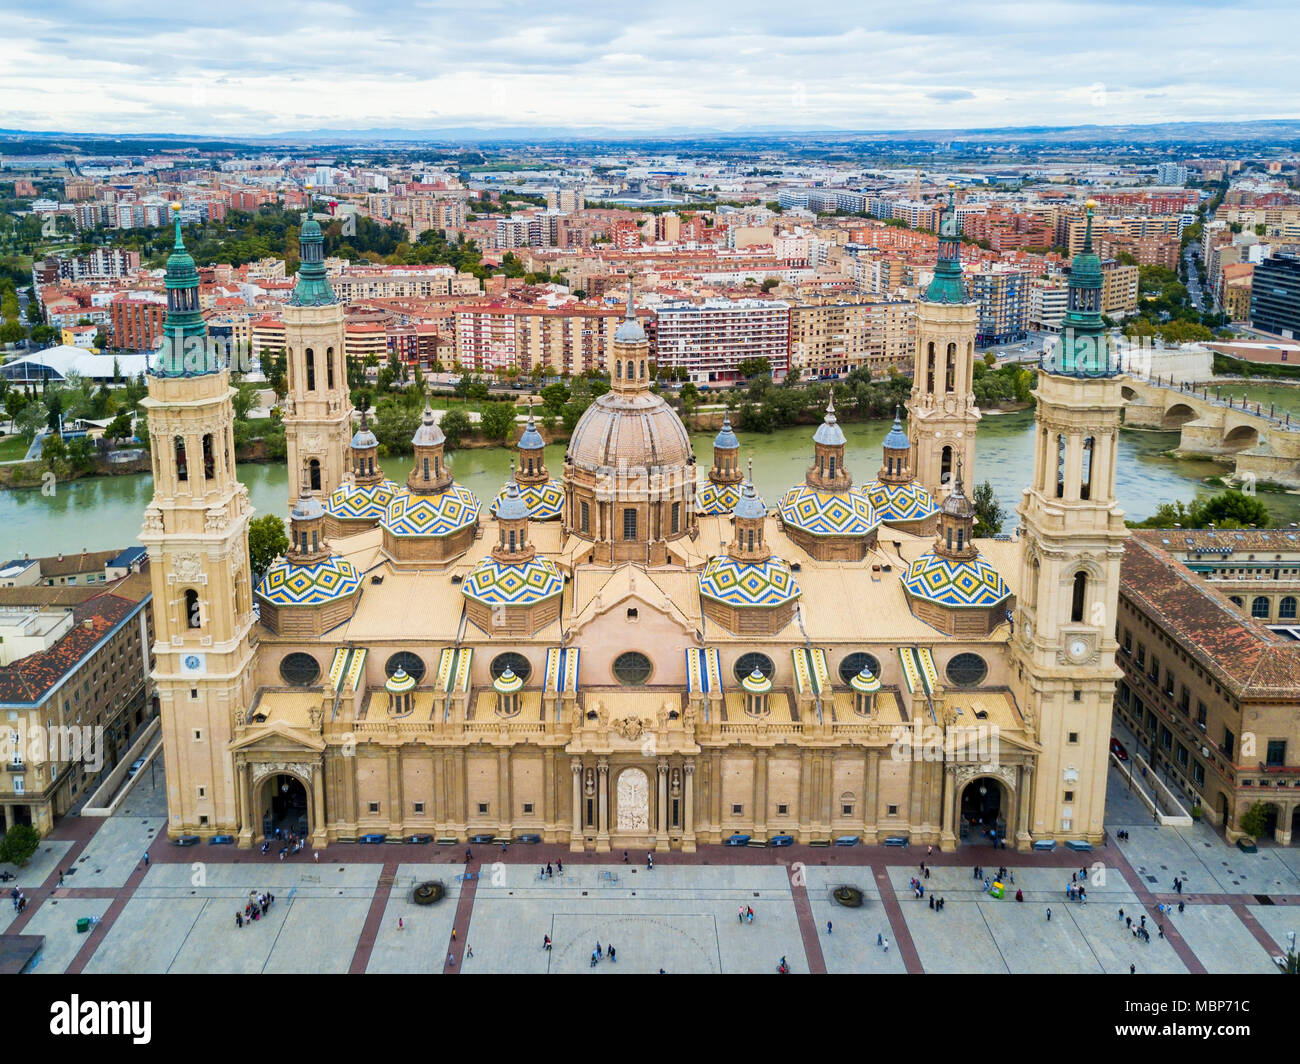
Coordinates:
<point>711,339</point>
<point>502,335</point>
<point>833,339</point>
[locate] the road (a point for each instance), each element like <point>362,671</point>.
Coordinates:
<point>1193,276</point>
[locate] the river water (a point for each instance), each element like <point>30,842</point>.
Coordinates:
<point>104,512</point>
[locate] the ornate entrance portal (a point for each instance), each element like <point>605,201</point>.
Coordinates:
<point>633,802</point>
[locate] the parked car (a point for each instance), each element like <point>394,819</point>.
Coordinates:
<point>187,840</point>
<point>136,766</point>
<point>1117,748</point>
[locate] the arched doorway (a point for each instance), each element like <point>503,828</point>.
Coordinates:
<point>1295,824</point>
<point>1271,816</point>
<point>984,807</point>
<point>284,806</point>
<point>1222,806</point>
<point>633,802</point>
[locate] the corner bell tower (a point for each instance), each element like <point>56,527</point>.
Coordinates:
<point>196,533</point>
<point>1073,533</point>
<point>942,415</point>
<point>318,407</point>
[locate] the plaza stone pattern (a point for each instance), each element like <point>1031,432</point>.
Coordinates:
<point>714,499</point>
<point>545,502</point>
<point>768,583</point>
<point>662,605</point>
<point>431,515</point>
<point>286,584</point>
<point>900,502</point>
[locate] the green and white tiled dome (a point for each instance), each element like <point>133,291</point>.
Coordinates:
<point>495,583</point>
<point>736,583</point>
<point>409,514</point>
<point>545,501</point>
<point>828,513</point>
<point>900,502</point>
<point>285,584</point>
<point>361,501</point>
<point>948,582</point>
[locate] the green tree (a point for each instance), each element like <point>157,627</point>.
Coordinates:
<point>11,332</point>
<point>1254,820</point>
<point>120,427</point>
<point>455,425</point>
<point>14,403</point>
<point>19,844</point>
<point>989,514</point>
<point>244,399</point>
<point>1232,509</point>
<point>44,334</point>
<point>769,283</point>
<point>754,367</point>
<point>81,453</point>
<point>267,540</point>
<point>53,449</point>
<point>497,420</point>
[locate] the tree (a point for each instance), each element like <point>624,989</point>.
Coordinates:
<point>267,540</point>
<point>14,403</point>
<point>1232,509</point>
<point>497,420</point>
<point>1254,820</point>
<point>19,844</point>
<point>769,283</point>
<point>989,515</point>
<point>244,399</point>
<point>44,334</point>
<point>53,449</point>
<point>11,332</point>
<point>81,453</point>
<point>455,425</point>
<point>754,367</point>
<point>120,427</point>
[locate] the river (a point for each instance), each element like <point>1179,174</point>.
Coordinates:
<point>104,512</point>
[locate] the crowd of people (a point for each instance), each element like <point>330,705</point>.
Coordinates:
<point>256,909</point>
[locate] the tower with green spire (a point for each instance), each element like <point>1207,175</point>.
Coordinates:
<point>182,353</point>
<point>1084,349</point>
<point>942,414</point>
<point>318,406</point>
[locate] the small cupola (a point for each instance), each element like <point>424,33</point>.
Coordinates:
<point>726,455</point>
<point>513,546</point>
<point>956,524</point>
<point>532,461</point>
<point>828,472</point>
<point>750,512</point>
<point>307,543</point>
<point>365,456</point>
<point>898,455</point>
<point>429,475</point>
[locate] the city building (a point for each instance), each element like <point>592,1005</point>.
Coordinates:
<point>1001,292</point>
<point>1120,284</point>
<point>1275,296</point>
<point>710,340</point>
<point>832,339</point>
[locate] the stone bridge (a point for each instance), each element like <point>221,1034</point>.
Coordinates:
<point>1258,443</point>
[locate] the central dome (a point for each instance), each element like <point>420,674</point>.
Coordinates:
<point>630,430</point>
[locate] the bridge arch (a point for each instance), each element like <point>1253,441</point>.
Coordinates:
<point>1241,438</point>
<point>1176,416</point>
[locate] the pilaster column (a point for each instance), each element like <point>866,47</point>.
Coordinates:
<point>760,792</point>
<point>688,814</point>
<point>319,834</point>
<point>948,838</point>
<point>871,800</point>
<point>661,829</point>
<point>1024,798</point>
<point>394,788</point>
<point>576,836</point>
<point>602,798</point>
<point>241,800</point>
<point>505,815</point>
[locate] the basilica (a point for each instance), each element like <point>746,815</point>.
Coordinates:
<point>630,651</point>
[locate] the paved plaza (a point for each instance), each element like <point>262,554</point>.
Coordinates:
<point>351,908</point>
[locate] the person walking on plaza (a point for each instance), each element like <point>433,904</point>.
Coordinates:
<point>880,938</point>
<point>559,865</point>
<point>828,923</point>
<point>650,862</point>
<point>146,858</point>
<point>1049,916</point>
<point>400,925</point>
<point>469,950</point>
<point>546,942</point>
<point>451,960</point>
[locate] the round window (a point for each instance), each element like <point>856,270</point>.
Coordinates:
<point>967,670</point>
<point>632,668</point>
<point>409,663</point>
<point>300,670</point>
<point>516,663</point>
<point>747,663</point>
<point>855,663</point>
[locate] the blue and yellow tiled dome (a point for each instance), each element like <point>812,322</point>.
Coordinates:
<point>354,502</point>
<point>714,499</point>
<point>286,584</point>
<point>545,501</point>
<point>950,582</point>
<point>495,583</point>
<point>900,502</point>
<point>767,583</point>
<point>828,513</point>
<point>409,514</point>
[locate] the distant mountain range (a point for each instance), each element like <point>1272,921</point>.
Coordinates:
<point>1265,131</point>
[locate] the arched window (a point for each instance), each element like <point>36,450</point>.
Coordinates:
<point>832,467</point>
<point>1060,467</point>
<point>929,367</point>
<point>209,459</point>
<point>747,663</point>
<point>1085,480</point>
<point>516,663</point>
<point>967,670</point>
<point>426,469</point>
<point>945,466</point>
<point>299,670</point>
<point>182,470</point>
<point>193,615</point>
<point>854,664</point>
<point>1286,608</point>
<point>313,473</point>
<point>618,370</point>
<point>643,372</point>
<point>950,377</point>
<point>409,663</point>
<point>1235,600</point>
<point>632,668</point>
<point>311,370</point>
<point>1080,593</point>
<point>1259,607</point>
<point>1031,592</point>
<point>329,367</point>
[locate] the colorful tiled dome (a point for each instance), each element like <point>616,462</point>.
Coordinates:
<point>768,583</point>
<point>828,513</point>
<point>545,501</point>
<point>400,682</point>
<point>865,682</point>
<point>955,583</point>
<point>507,683</point>
<point>756,683</point>
<point>361,501</point>
<point>900,502</point>
<point>309,585</point>
<point>498,584</point>
<point>713,499</point>
<point>409,514</point>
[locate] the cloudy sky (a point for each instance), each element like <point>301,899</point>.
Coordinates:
<point>237,67</point>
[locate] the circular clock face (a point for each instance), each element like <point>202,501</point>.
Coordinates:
<point>1078,649</point>
<point>191,661</point>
